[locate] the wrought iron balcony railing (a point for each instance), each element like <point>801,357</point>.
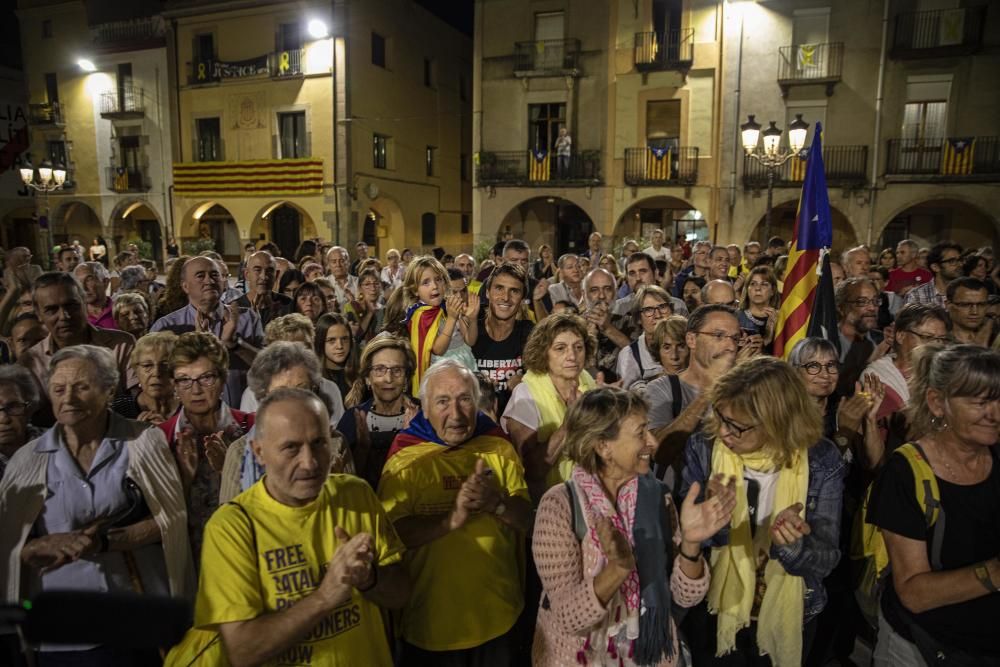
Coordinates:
<point>934,34</point>
<point>126,101</point>
<point>807,64</point>
<point>547,57</point>
<point>531,168</point>
<point>120,179</point>
<point>664,50</point>
<point>671,165</point>
<point>845,166</point>
<point>947,159</point>
<point>46,113</point>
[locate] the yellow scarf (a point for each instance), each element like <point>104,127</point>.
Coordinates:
<point>552,412</point>
<point>734,567</point>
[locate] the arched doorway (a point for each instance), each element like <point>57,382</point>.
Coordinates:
<point>383,227</point>
<point>783,225</point>
<point>284,224</point>
<point>935,220</point>
<point>136,222</point>
<point>553,220</point>
<point>210,226</point>
<point>75,220</point>
<point>674,216</point>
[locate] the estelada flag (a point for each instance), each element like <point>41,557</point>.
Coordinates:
<point>957,155</point>
<point>813,234</point>
<point>658,163</point>
<point>538,168</point>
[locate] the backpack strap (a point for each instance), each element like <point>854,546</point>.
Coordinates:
<point>634,346</point>
<point>676,395</point>
<point>577,519</point>
<point>929,497</point>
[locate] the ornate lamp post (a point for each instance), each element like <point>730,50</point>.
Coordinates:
<point>48,179</point>
<point>773,154</point>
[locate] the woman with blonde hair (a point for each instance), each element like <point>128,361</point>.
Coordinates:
<point>555,358</point>
<point>764,437</point>
<point>612,556</point>
<point>155,399</point>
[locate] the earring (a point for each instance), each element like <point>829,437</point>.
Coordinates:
<point>939,423</point>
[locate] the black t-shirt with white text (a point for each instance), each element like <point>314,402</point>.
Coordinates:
<point>500,360</point>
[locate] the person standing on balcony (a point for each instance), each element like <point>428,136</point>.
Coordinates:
<point>564,148</point>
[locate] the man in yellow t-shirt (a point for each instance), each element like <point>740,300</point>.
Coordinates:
<point>295,568</point>
<point>454,488</point>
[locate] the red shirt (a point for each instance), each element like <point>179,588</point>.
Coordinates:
<point>900,279</point>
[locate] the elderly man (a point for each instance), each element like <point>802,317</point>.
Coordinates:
<point>856,262</point>
<point>857,301</point>
<point>454,489</point>
<point>570,285</point>
<point>599,297</point>
<point>594,250</point>
<point>95,280</point>
<point>656,249</point>
<point>945,262</point>
<point>259,275</point>
<point>699,267</point>
<point>295,568</point>
<point>467,265</point>
<point>717,292</point>
<point>60,306</point>
<point>338,267</point>
<point>239,329</point>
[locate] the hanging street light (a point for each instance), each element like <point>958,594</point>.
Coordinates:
<point>772,155</point>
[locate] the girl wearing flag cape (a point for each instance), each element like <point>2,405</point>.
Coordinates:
<point>437,328</point>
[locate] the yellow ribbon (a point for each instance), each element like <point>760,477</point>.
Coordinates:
<point>283,64</point>
<point>201,71</point>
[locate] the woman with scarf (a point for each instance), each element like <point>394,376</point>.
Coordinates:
<point>555,357</point>
<point>200,432</point>
<point>764,434</point>
<point>612,556</point>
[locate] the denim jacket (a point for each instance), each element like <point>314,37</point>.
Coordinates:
<point>815,555</point>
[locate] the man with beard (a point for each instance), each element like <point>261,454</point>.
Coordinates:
<point>95,280</point>
<point>239,329</point>
<point>502,337</point>
<point>260,297</point>
<point>640,271</point>
<point>945,262</point>
<point>857,301</point>
<point>599,296</point>
<point>698,268</point>
<point>856,262</point>
<point>968,298</point>
<point>677,403</point>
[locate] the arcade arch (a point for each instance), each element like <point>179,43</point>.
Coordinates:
<point>553,220</point>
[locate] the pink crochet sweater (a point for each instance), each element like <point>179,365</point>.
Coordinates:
<point>573,607</point>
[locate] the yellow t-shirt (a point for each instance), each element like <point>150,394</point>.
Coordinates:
<point>467,585</point>
<point>294,547</point>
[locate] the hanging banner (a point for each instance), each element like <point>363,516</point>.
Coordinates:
<point>213,70</point>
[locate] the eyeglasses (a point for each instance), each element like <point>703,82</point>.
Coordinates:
<point>969,305</point>
<point>814,367</point>
<point>652,311</point>
<point>924,338</point>
<point>393,371</point>
<point>720,336</point>
<point>205,381</point>
<point>732,426</point>
<point>16,409</point>
<point>864,303</point>
<point>152,366</point>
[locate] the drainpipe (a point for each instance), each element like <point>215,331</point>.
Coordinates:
<point>738,149</point>
<point>877,138</point>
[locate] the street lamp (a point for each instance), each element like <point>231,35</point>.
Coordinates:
<point>49,179</point>
<point>773,155</point>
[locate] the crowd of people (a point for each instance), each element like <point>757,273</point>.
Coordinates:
<point>586,459</point>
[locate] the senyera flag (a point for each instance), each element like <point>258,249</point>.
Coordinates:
<point>802,303</point>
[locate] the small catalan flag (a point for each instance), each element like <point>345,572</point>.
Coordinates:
<point>658,163</point>
<point>957,155</point>
<point>538,165</point>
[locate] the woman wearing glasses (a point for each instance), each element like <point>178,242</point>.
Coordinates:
<point>94,504</point>
<point>155,400</point>
<point>201,431</point>
<point>638,364</point>
<point>764,436</point>
<point>380,406</point>
<point>18,402</point>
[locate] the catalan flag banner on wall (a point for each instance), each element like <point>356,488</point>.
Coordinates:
<point>121,179</point>
<point>658,163</point>
<point>813,236</point>
<point>538,165</point>
<point>249,177</point>
<point>797,169</point>
<point>957,155</point>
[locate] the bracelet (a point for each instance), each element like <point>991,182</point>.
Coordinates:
<point>983,575</point>
<point>374,580</point>
<point>694,559</point>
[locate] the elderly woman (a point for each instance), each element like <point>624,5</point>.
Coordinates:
<point>610,553</point>
<point>201,431</point>
<point>95,504</point>
<point>310,301</point>
<point>638,364</point>
<point>134,279</point>
<point>18,402</point>
<point>292,327</point>
<point>154,400</point>
<point>365,312</point>
<point>669,344</point>
<point>337,351</point>
<point>940,605</point>
<point>555,357</point>
<point>758,312</point>
<point>380,406</point>
<point>764,436</point>
<point>281,364</point>
<point>131,313</point>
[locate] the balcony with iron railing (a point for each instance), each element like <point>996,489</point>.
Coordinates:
<point>670,165</point>
<point>940,33</point>
<point>844,166</point>
<point>131,34</point>
<point>122,180</point>
<point>528,168</point>
<point>551,57</point>
<point>125,102</point>
<point>45,113</point>
<point>810,64</point>
<point>289,62</point>
<point>664,50</point>
<point>948,159</point>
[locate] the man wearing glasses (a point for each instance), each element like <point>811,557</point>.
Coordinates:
<point>640,271</point>
<point>967,301</point>
<point>945,262</point>
<point>677,403</point>
<point>858,301</point>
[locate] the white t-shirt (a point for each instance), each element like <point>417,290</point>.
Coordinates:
<point>521,408</point>
<point>663,253</point>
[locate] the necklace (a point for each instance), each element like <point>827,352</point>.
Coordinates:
<point>955,475</point>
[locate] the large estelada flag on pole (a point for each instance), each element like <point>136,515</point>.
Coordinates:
<point>812,238</point>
